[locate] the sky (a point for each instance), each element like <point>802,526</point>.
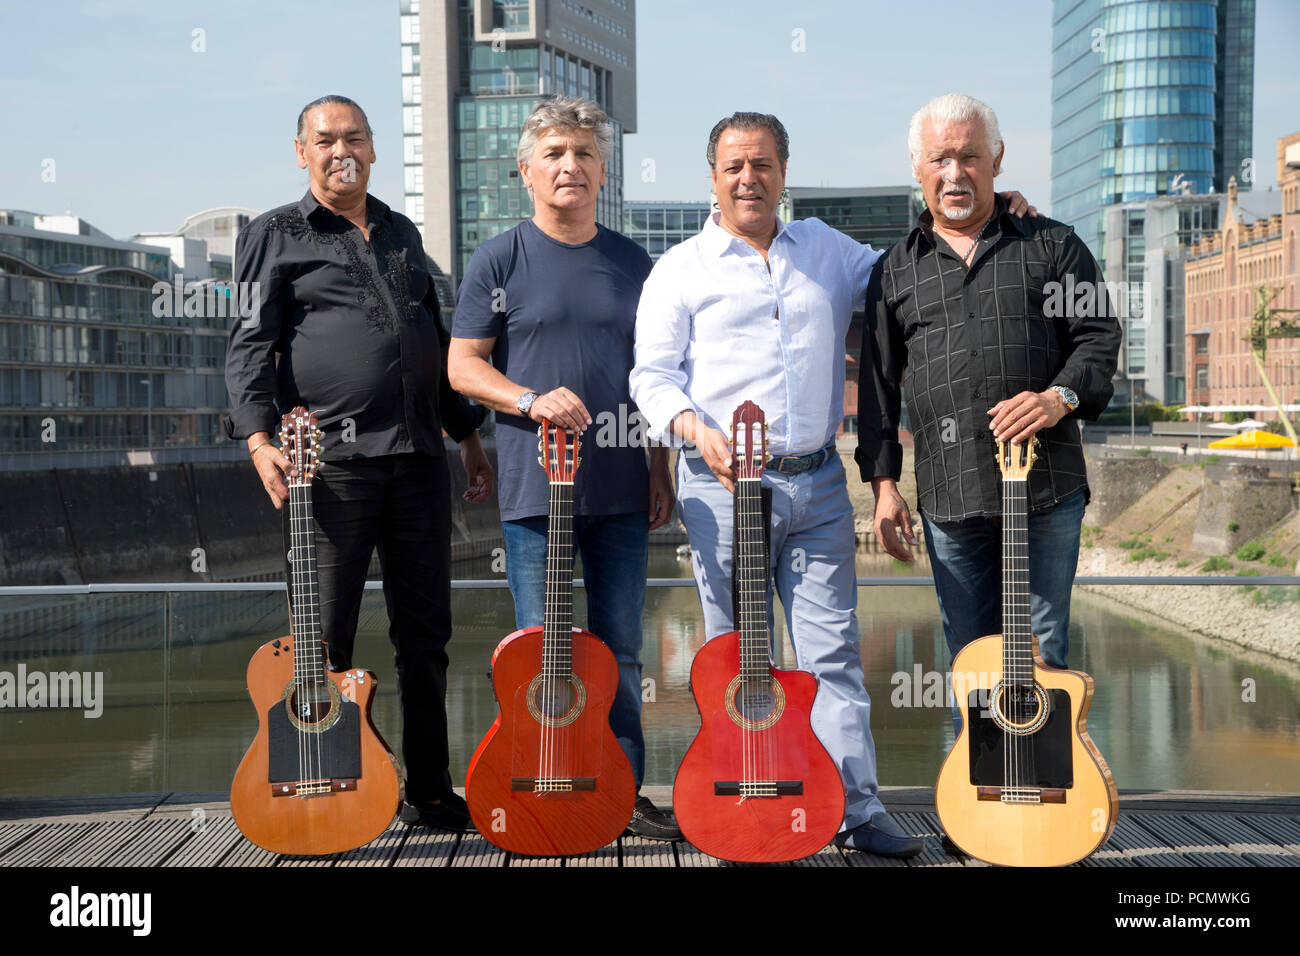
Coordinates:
<point>138,129</point>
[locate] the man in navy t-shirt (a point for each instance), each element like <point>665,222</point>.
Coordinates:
<point>553,304</point>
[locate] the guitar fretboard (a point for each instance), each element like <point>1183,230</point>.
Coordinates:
<point>1017,633</point>
<point>557,638</point>
<point>752,577</point>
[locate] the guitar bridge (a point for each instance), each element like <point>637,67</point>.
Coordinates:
<point>757,788</point>
<point>552,784</point>
<point>1021,794</point>
<point>314,788</point>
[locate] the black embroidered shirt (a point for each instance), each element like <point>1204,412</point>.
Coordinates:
<point>348,328</point>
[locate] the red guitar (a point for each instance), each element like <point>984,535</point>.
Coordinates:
<point>756,784</point>
<point>318,778</point>
<point>550,778</point>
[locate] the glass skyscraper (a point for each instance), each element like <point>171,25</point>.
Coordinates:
<point>472,71</point>
<point>1149,98</point>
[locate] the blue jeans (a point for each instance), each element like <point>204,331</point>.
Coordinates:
<point>967,564</point>
<point>812,567</point>
<point>614,554</point>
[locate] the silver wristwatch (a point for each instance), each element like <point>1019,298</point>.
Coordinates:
<point>524,402</point>
<point>1071,399</point>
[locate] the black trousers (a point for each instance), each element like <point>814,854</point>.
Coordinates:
<point>400,504</point>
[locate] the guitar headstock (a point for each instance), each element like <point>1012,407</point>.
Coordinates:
<point>300,443</point>
<point>559,451</point>
<point>1014,461</point>
<point>749,441</point>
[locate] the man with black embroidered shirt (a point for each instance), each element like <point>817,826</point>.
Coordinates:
<point>348,326</point>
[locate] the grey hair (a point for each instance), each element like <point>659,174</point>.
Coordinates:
<point>564,112</point>
<point>750,121</point>
<point>954,108</point>
<point>330,99</point>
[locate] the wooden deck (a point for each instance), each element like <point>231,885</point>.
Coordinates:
<point>1155,829</point>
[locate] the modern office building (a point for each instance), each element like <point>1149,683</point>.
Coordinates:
<point>1256,245</point>
<point>1145,253</point>
<point>88,359</point>
<point>658,226</point>
<point>472,71</point>
<point>877,215</point>
<point>1149,98</point>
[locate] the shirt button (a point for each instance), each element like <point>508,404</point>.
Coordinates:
<point>970,315</point>
<point>975,394</point>
<point>974,351</point>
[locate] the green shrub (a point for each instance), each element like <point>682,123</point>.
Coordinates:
<point>1128,544</point>
<point>1276,561</point>
<point>1250,551</point>
<point>1233,526</point>
<point>1217,563</point>
<point>1183,563</point>
<point>1143,452</point>
<point>1249,573</point>
<point>1210,460</point>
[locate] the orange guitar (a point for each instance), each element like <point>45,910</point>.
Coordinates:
<point>756,784</point>
<point>550,778</point>
<point>318,778</point>
<point>1023,785</point>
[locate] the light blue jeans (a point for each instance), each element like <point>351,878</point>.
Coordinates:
<point>812,564</point>
<point>614,555</point>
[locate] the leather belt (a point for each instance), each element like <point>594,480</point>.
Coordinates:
<point>798,464</point>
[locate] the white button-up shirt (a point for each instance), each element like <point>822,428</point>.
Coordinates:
<point>717,325</point>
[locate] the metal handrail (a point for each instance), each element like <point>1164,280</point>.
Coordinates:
<point>486,583</point>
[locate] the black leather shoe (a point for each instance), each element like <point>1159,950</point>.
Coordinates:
<point>882,836</point>
<point>449,812</point>
<point>652,823</point>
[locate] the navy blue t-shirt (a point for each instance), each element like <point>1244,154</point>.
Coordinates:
<point>562,315</point>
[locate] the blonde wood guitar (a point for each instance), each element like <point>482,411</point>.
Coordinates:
<point>1023,785</point>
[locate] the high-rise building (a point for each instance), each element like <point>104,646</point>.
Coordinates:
<point>1149,98</point>
<point>1146,249</point>
<point>472,71</point>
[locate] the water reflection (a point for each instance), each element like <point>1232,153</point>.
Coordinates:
<point>1170,710</point>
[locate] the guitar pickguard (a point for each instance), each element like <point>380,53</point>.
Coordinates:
<point>333,752</point>
<point>1042,759</point>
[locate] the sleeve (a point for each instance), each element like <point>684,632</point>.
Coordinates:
<point>884,355</point>
<point>480,300</point>
<point>250,355</point>
<point>1089,342</point>
<point>458,416</point>
<point>859,262</point>
<point>663,329</point>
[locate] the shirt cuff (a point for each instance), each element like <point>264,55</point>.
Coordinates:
<point>252,418</point>
<point>879,459</point>
<point>659,414</point>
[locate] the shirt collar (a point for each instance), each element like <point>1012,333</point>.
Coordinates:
<point>376,211</point>
<point>717,240</point>
<point>921,237</point>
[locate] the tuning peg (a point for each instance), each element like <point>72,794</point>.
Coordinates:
<point>540,462</point>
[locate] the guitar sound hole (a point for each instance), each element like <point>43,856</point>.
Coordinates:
<point>553,697</point>
<point>310,703</point>
<point>1019,704</point>
<point>755,700</point>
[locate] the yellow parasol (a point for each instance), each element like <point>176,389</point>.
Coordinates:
<point>1254,440</point>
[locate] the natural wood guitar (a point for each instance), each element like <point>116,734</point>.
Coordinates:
<point>1023,785</point>
<point>318,777</point>
<point>756,784</point>
<point>550,778</point>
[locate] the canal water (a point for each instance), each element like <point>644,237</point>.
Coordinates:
<point>1171,711</point>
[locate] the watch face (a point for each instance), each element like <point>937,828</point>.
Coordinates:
<point>525,402</point>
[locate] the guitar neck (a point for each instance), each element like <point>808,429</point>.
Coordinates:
<point>557,639</point>
<point>752,574</point>
<point>1017,633</point>
<point>308,663</point>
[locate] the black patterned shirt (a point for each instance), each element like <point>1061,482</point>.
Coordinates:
<point>961,339</point>
<point>348,328</point>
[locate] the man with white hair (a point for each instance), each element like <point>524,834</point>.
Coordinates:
<point>552,303</point>
<point>957,314</point>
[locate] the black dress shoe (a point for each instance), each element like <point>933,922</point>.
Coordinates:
<point>882,836</point>
<point>448,812</point>
<point>652,823</point>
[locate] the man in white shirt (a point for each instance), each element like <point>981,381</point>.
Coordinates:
<point>753,308</point>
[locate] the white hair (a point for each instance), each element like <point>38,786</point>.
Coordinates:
<point>567,113</point>
<point>954,108</point>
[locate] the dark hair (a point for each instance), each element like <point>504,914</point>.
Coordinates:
<point>750,121</point>
<point>331,99</point>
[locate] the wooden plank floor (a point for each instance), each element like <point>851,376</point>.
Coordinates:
<point>1161,828</point>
